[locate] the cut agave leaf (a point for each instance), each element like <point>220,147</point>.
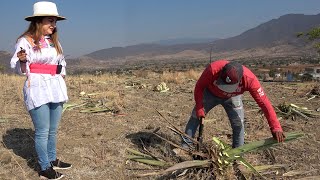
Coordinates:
<point>258,145</point>
<point>146,160</point>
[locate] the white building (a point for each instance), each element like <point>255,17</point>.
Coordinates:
<point>313,71</point>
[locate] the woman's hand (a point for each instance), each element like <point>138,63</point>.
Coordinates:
<point>22,55</point>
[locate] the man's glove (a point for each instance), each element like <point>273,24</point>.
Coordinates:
<point>279,136</point>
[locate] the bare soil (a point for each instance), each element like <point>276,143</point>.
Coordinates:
<point>95,143</point>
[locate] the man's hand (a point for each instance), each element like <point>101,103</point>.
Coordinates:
<point>200,118</point>
<point>279,136</point>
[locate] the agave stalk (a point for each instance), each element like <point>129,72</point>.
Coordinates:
<point>298,173</point>
<point>147,160</point>
<point>188,164</point>
<point>144,158</point>
<point>223,161</point>
<point>95,110</point>
<point>68,106</point>
<point>263,168</point>
<point>258,145</point>
<point>228,154</point>
<point>138,153</point>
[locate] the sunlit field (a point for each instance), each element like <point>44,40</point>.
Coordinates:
<point>109,113</point>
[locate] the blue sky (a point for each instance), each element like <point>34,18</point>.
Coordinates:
<point>98,24</point>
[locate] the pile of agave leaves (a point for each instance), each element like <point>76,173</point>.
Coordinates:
<point>210,162</point>
<point>93,103</point>
<point>290,110</point>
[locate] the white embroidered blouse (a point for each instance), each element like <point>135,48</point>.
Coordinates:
<point>38,88</point>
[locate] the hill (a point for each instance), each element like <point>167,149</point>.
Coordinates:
<point>274,32</point>
<point>5,61</point>
<point>279,32</point>
<point>184,41</point>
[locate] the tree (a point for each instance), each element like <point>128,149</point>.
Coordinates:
<point>312,35</point>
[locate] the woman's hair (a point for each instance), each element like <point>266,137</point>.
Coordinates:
<point>35,32</point>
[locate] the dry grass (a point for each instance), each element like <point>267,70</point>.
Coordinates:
<point>96,142</point>
<point>179,77</point>
<point>11,90</point>
<point>12,108</point>
<point>145,74</point>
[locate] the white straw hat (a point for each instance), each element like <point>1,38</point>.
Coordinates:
<point>45,8</point>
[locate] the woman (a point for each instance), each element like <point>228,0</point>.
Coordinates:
<point>38,55</point>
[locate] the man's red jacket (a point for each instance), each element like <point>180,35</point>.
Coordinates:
<point>249,83</point>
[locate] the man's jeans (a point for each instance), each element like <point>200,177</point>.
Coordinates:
<point>46,120</point>
<point>233,107</point>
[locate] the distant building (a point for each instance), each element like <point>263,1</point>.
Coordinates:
<point>313,71</point>
<point>277,75</point>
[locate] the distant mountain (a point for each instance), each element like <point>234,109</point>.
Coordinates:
<point>143,49</point>
<point>276,32</point>
<point>5,58</point>
<point>184,41</point>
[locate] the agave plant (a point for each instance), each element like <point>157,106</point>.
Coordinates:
<point>227,155</point>
<point>216,159</point>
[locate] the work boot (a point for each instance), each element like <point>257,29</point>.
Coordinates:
<point>57,164</point>
<point>50,173</point>
<point>186,143</point>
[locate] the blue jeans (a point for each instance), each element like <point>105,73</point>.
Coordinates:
<point>234,109</point>
<point>46,120</point>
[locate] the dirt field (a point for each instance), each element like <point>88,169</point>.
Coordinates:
<point>95,143</point>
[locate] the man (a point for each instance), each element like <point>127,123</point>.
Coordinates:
<point>224,82</point>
